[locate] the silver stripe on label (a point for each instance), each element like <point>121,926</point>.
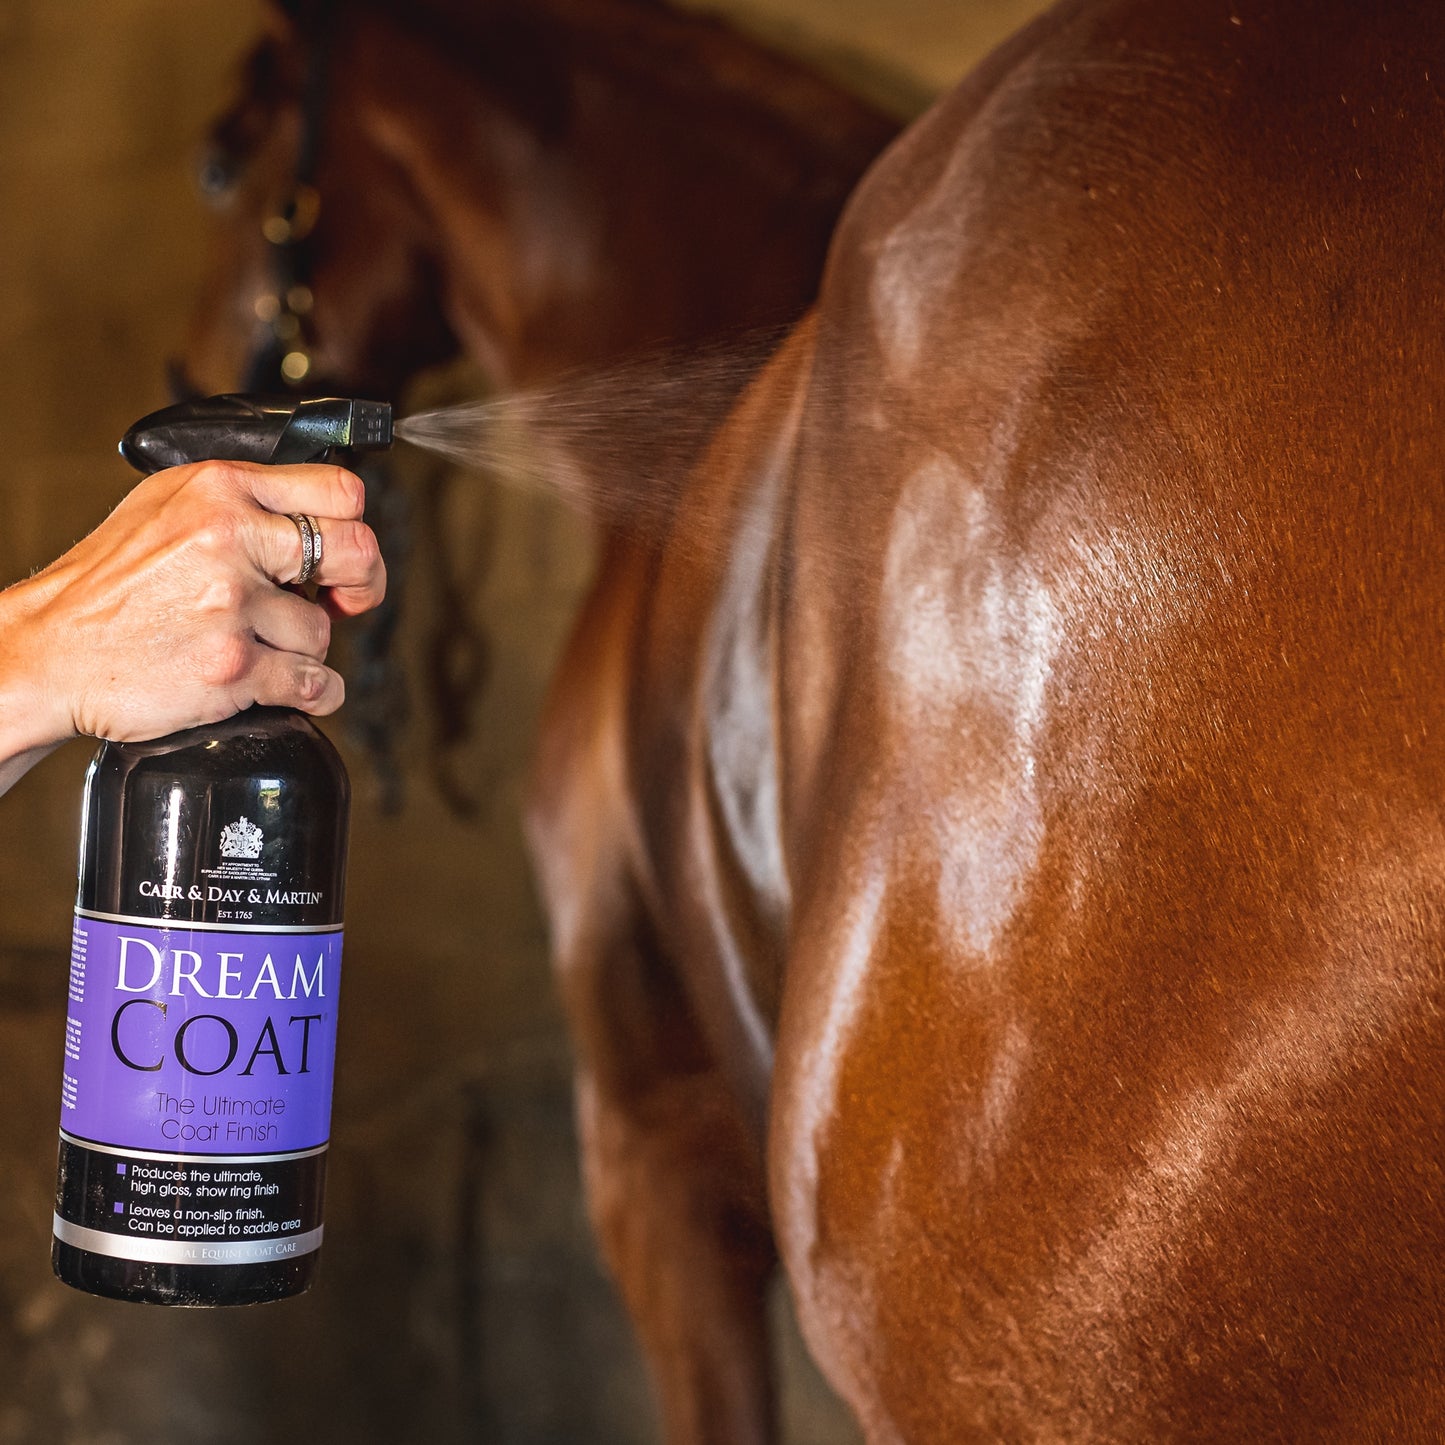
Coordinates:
<point>196,1161</point>
<point>176,1251</point>
<point>180,925</point>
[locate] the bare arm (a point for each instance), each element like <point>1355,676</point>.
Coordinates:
<point>172,614</point>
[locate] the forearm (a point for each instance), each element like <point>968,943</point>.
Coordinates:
<point>31,725</point>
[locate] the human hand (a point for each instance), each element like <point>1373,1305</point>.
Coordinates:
<point>173,612</point>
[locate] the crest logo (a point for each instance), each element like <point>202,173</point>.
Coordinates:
<point>241,839</point>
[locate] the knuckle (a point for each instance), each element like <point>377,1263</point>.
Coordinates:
<point>218,476</point>
<point>219,532</point>
<point>226,593</point>
<point>225,660</point>
<point>318,685</point>
<point>368,549</point>
<point>350,492</point>
<point>310,684</point>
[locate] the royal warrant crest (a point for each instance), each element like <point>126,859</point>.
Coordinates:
<point>241,839</point>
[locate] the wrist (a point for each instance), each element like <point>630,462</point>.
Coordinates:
<point>33,719</point>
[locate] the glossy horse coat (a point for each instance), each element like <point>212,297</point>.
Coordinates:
<point>1036,810</point>
<point>1004,863</point>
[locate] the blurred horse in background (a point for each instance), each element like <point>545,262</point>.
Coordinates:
<point>1006,865</point>
<point>544,187</point>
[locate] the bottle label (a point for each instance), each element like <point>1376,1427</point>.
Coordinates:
<point>196,1095</point>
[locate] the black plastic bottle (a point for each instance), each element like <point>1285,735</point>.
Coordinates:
<point>205,972</point>
<point>206,966</point>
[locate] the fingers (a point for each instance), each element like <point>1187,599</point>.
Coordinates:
<point>288,679</point>
<point>351,562</point>
<point>318,491</point>
<point>290,623</point>
<point>168,615</point>
<point>351,566</point>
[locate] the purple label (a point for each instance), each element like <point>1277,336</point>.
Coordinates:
<point>185,1040</point>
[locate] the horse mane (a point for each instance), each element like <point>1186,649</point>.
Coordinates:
<point>527,52</point>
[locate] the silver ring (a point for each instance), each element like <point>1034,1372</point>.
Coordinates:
<point>310,530</point>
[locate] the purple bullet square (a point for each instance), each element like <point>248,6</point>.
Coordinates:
<point>120,1168</point>
<point>120,1208</point>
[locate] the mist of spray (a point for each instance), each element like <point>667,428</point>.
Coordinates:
<point>617,444</point>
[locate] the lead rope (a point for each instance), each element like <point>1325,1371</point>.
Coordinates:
<point>458,652</point>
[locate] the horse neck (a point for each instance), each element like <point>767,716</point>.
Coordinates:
<point>653,178</point>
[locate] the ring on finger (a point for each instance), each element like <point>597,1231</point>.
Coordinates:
<point>310,530</point>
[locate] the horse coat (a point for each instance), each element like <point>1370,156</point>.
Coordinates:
<point>1021,823</point>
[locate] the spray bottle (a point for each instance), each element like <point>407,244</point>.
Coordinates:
<point>205,961</point>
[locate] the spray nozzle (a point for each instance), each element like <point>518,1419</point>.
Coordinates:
<point>237,428</point>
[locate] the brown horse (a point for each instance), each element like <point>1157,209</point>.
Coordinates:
<point>547,186</point>
<point>550,186</point>
<point>1020,829</point>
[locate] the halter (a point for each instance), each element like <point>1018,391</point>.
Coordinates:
<point>378,704</point>
<point>283,360</point>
